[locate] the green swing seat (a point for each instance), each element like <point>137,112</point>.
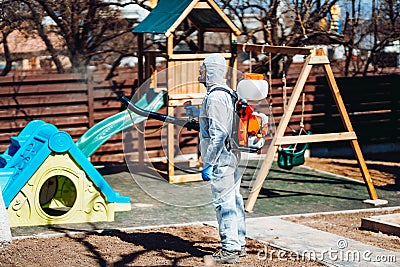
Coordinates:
<point>293,155</point>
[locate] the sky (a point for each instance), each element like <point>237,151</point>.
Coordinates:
<point>365,7</point>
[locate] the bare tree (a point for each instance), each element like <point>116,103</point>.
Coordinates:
<point>351,26</point>
<point>384,27</point>
<point>308,22</point>
<point>90,32</point>
<point>290,22</point>
<point>12,17</point>
<point>368,32</point>
<point>7,55</point>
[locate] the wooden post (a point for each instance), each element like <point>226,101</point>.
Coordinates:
<point>170,144</point>
<point>141,140</point>
<point>140,57</point>
<point>346,121</point>
<point>90,99</point>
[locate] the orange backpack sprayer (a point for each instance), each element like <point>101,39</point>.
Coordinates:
<point>253,125</point>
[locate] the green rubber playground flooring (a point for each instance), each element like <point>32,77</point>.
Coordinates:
<point>304,190</point>
<point>157,202</point>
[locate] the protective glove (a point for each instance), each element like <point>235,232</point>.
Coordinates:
<point>206,172</point>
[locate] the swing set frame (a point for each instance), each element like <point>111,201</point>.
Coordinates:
<point>314,57</point>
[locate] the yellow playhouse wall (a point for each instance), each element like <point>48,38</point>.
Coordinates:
<point>90,205</point>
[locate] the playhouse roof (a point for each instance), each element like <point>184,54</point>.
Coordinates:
<point>168,14</point>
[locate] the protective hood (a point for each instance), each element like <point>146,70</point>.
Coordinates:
<point>215,65</point>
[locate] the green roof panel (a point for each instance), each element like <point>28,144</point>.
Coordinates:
<point>163,16</point>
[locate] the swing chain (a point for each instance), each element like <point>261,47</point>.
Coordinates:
<point>270,80</point>
<point>301,130</point>
<point>284,86</point>
<point>302,112</point>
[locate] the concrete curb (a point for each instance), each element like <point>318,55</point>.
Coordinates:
<point>337,212</point>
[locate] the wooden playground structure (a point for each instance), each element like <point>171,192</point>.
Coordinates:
<point>185,67</point>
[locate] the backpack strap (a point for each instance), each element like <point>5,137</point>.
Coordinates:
<point>232,93</point>
<point>229,142</point>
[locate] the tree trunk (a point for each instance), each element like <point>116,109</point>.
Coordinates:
<point>44,35</point>
<point>51,49</point>
<point>7,56</point>
<point>78,63</point>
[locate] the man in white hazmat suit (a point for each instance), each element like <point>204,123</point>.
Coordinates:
<point>220,164</point>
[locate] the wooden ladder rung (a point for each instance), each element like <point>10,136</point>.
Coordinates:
<point>287,140</point>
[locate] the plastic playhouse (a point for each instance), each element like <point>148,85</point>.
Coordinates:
<point>46,178</point>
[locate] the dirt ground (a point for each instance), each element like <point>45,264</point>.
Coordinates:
<point>187,245</point>
<point>348,225</point>
<point>383,173</point>
<point>172,246</point>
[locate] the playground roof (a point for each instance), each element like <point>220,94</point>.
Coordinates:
<point>169,14</point>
